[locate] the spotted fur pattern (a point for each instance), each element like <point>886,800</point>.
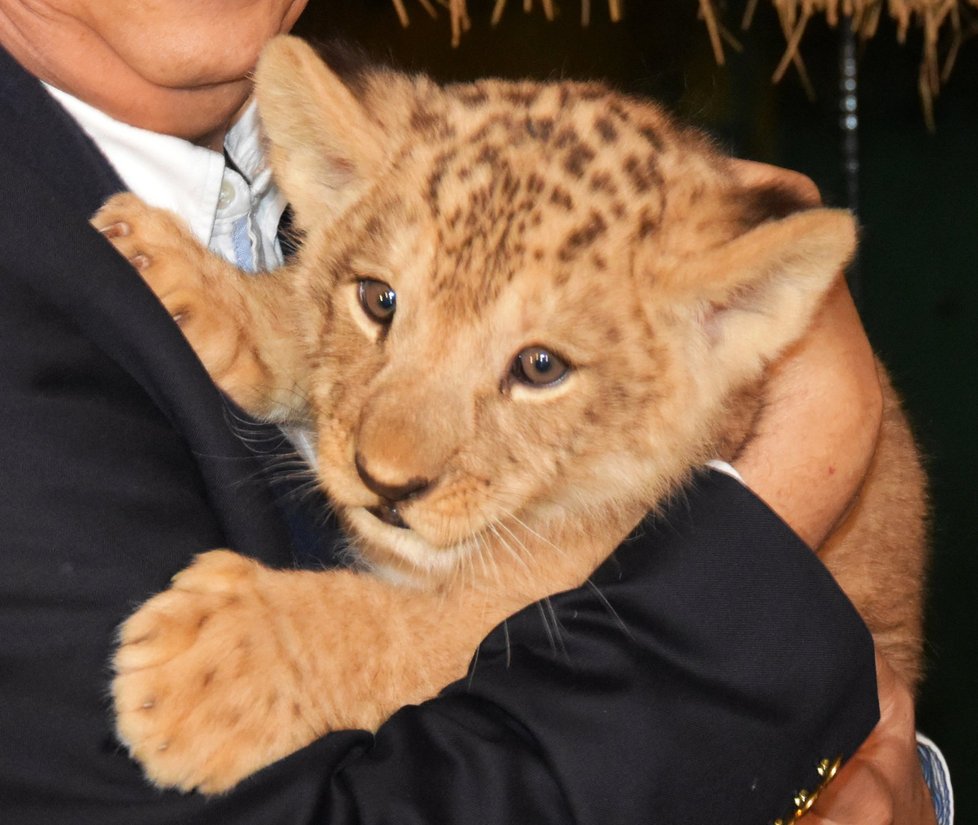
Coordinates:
<point>508,218</point>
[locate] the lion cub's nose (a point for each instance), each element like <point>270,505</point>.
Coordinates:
<point>412,488</point>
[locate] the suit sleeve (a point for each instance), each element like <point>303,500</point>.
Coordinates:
<point>718,667</point>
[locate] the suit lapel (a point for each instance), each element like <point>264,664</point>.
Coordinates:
<point>54,178</point>
<point>41,135</point>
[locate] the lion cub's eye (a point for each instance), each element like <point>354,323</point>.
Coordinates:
<point>538,367</point>
<point>378,300</point>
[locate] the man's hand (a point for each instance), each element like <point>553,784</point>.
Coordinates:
<point>883,783</point>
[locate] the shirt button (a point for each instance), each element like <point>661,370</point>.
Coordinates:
<point>226,197</point>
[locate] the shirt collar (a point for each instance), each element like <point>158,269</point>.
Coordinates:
<point>169,172</point>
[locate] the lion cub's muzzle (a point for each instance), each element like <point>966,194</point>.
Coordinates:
<point>391,494</point>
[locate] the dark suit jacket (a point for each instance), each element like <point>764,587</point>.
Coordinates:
<point>742,664</point>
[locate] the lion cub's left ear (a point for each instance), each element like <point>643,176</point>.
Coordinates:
<point>754,296</point>
<point>324,147</point>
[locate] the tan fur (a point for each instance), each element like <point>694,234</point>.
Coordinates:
<point>505,216</point>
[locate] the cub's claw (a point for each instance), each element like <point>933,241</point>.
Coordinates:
<point>157,243</point>
<point>117,231</point>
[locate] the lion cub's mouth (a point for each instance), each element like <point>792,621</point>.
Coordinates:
<point>388,514</point>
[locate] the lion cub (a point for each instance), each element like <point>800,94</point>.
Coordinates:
<point>519,317</point>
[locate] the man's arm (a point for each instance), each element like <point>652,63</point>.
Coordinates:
<point>797,466</point>
<point>812,448</point>
<point>711,668</point>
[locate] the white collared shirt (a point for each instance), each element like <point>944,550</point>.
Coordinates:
<point>236,215</point>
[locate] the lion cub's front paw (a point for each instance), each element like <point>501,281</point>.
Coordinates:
<point>161,248</point>
<point>205,690</point>
<point>196,287</point>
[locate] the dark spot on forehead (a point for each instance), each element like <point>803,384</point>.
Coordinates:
<point>500,122</point>
<point>577,159</point>
<point>619,111</point>
<point>561,197</point>
<point>653,137</point>
<point>606,129</point>
<point>602,182</point>
<point>489,155</point>
<point>566,137</point>
<point>509,184</point>
<point>582,237</point>
<point>648,222</point>
<point>472,95</point>
<point>540,128</point>
<point>522,95</point>
<point>643,174</point>
<point>591,91</point>
<point>535,184</point>
<point>439,170</point>
<point>431,123</point>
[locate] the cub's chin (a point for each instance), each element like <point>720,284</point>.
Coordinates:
<point>396,552</point>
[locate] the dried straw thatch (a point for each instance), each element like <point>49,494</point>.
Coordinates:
<point>459,13</point>
<point>932,16</point>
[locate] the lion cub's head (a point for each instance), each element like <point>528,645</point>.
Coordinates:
<point>525,306</point>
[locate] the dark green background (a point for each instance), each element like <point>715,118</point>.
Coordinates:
<point>918,270</point>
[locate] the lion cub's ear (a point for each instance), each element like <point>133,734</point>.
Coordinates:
<point>324,147</point>
<point>754,296</point>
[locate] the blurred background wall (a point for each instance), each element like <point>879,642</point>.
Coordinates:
<point>917,204</point>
